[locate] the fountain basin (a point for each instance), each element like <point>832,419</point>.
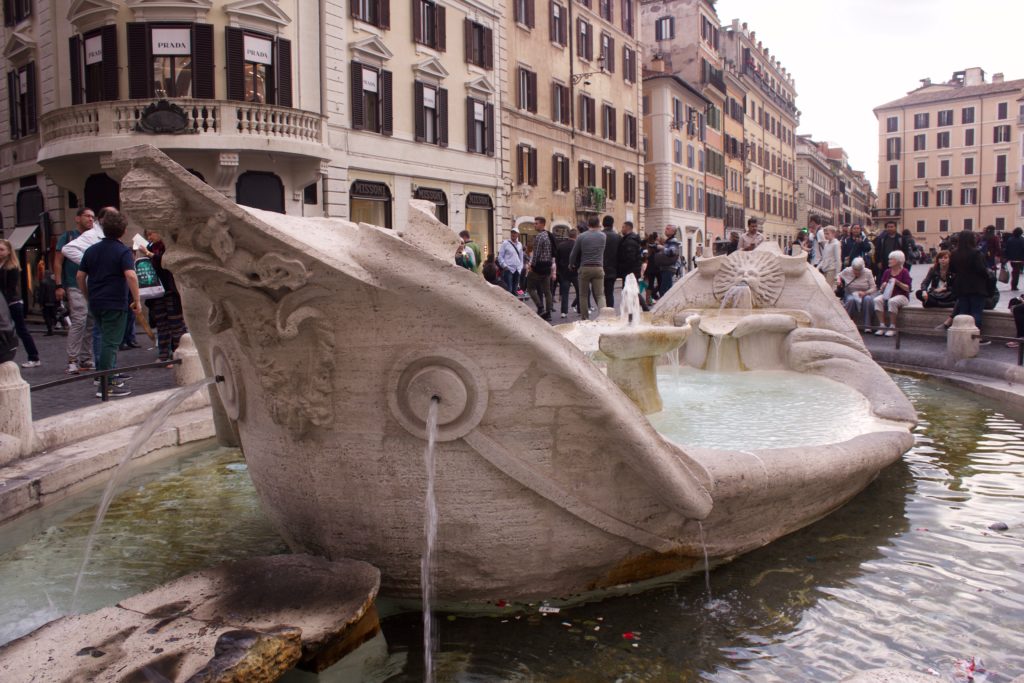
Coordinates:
<point>632,352</point>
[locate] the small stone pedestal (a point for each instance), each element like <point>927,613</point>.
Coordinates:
<point>16,432</point>
<point>960,341</point>
<point>632,352</point>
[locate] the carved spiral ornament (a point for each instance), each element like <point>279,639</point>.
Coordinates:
<point>759,269</point>
<point>454,380</point>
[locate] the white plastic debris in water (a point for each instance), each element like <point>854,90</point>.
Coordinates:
<point>546,609</point>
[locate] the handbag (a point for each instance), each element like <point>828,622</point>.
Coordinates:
<point>1004,273</point>
<point>149,283</point>
<point>841,288</point>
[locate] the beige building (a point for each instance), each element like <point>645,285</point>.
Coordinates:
<point>673,146</point>
<point>313,108</point>
<point>815,183</point>
<point>732,146</point>
<point>571,111</point>
<point>770,122</point>
<point>950,156</point>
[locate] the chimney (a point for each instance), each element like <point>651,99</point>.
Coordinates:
<point>658,62</point>
<point>998,78</point>
<point>926,82</point>
<point>974,76</point>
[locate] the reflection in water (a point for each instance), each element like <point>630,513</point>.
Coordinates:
<point>907,574</point>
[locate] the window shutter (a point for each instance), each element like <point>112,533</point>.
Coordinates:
<point>581,174</point>
<point>470,126</point>
<point>531,78</point>
<point>556,100</point>
<point>12,103</point>
<point>442,117</point>
<point>234,49</point>
<point>442,32</point>
<point>387,126</point>
<point>555,173</point>
<point>139,67</point>
<point>358,118</point>
<point>202,61</point>
<point>611,55</point>
<point>30,97</point>
<point>995,194</point>
<point>75,54</point>
<point>565,174</point>
<point>9,14</point>
<point>593,117</point>
<point>565,105</point>
<point>489,129</point>
<point>419,129</point>
<point>530,19</point>
<point>353,8</point>
<point>520,165</point>
<point>467,40</point>
<point>613,134</point>
<point>533,165</point>
<point>384,15</point>
<point>488,48</point>
<point>283,67</point>
<point>611,184</point>
<point>111,91</point>
<point>417,22</point>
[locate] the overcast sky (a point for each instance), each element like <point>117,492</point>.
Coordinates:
<point>849,56</point>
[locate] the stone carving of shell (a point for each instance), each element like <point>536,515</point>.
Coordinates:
<point>759,269</point>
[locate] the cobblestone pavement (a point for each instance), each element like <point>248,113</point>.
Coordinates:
<point>60,399</point>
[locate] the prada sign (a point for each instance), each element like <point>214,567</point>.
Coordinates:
<point>171,41</point>
<point>93,50</point>
<point>258,50</point>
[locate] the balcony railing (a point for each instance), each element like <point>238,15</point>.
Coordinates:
<point>203,117</point>
<point>593,200</point>
<point>886,213</point>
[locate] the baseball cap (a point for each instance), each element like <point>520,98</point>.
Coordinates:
<point>515,229</point>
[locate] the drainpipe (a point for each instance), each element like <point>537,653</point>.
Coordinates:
<point>570,34</point>
<point>981,155</point>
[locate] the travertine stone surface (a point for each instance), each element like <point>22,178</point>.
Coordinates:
<point>960,341</point>
<point>16,434</point>
<point>333,338</point>
<point>632,352</point>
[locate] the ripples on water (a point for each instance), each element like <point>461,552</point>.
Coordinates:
<point>907,574</point>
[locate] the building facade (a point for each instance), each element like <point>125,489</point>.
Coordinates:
<point>734,150</point>
<point>673,146</point>
<point>333,108</point>
<point>815,183</point>
<point>950,156</point>
<point>571,112</point>
<point>770,122</point>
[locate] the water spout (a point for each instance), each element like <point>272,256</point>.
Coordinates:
<point>630,309</point>
<point>141,436</point>
<point>430,534</point>
<point>738,296</point>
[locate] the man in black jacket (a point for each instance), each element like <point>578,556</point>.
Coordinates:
<point>611,259</point>
<point>565,271</point>
<point>886,243</point>
<point>630,259</point>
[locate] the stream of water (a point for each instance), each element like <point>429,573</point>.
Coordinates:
<point>430,538</point>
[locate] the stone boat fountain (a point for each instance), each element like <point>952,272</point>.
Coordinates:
<point>334,339</point>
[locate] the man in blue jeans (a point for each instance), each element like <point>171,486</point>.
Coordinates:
<point>106,276</point>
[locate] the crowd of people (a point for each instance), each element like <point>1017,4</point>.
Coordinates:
<point>94,280</point>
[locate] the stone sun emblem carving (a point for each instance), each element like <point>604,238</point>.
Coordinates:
<point>760,270</point>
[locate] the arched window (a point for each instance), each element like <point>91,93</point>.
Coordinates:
<point>101,190</point>
<point>260,190</point>
<point>28,206</point>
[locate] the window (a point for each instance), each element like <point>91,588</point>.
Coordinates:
<point>479,126</point>
<point>920,121</point>
<point>689,156</point>
<point>942,140</point>
<point>584,40</point>
<point>943,225</point>
<point>1002,111</point>
<point>16,11</point>
<point>172,62</point>
<point>920,198</point>
<point>166,60</point>
<point>1000,194</point>
<point>587,174</point>
<point>946,117</point>
<point>606,8</point>
<point>1001,133</point>
<point>479,43</point>
<point>558,24</point>
<point>921,224</point>
<point>376,12</point>
<point>628,65</point>
<point>944,198</point>
<point>21,100</point>
<point>526,165</point>
<point>969,166</point>
<point>94,66</point>
<point>1000,223</point>
<point>689,196</point>
<point>428,24</point>
<point>921,169</point>
<point>969,196</point>
<point>1001,168</point>
<point>665,28</point>
<point>527,90</point>
<point>968,224</point>
<point>629,188</point>
<point>630,125</point>
<point>892,200</point>
<point>678,152</point>
<point>371,99</point>
<point>607,53</point>
<point>608,123</point>
<point>627,27</point>
<point>708,32</point>
<point>920,143</point>
<point>524,12</point>
<point>892,124</point>
<point>944,168</point>
<point>894,175</point>
<point>677,112</point>
<point>608,181</point>
<point>700,199</point>
<point>431,114</point>
<point>892,149</point>
<point>559,173</point>
<point>560,103</point>
<point>678,195</point>
<point>700,160</point>
<point>262,71</point>
<point>969,137</point>
<point>967,115</point>
<point>588,114</point>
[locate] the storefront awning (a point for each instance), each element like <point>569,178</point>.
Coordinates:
<point>21,235</point>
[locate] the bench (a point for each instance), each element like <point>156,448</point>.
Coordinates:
<point>924,321</point>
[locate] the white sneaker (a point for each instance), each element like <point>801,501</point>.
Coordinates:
<point>879,333</point>
<point>891,332</point>
<point>31,364</point>
<point>867,330</point>
<point>72,368</point>
<point>564,315</point>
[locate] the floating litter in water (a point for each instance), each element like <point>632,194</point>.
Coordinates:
<point>545,609</point>
<point>998,526</point>
<point>567,624</point>
<point>237,467</point>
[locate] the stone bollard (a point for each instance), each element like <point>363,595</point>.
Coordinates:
<point>16,431</point>
<point>190,370</point>
<point>960,341</point>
